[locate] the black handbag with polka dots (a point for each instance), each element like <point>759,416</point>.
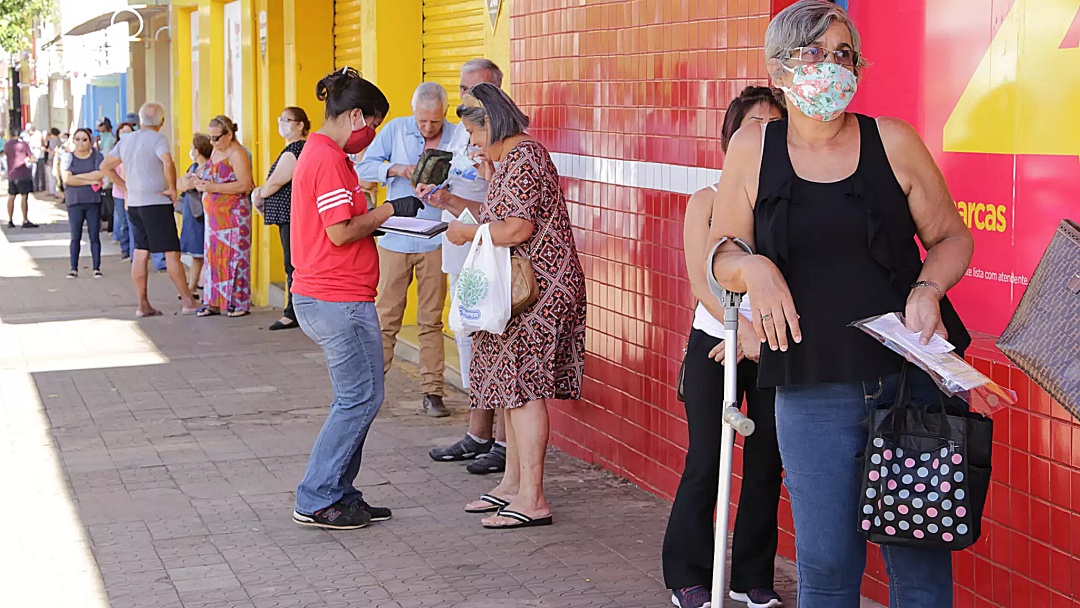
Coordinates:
<point>926,473</point>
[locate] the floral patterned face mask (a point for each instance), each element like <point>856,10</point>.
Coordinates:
<point>822,91</point>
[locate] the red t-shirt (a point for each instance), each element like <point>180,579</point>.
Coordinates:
<point>326,191</point>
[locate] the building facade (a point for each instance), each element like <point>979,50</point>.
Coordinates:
<point>629,96</point>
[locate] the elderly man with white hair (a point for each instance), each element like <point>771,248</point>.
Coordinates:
<point>150,183</point>
<point>391,160</point>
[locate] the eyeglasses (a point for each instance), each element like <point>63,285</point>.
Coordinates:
<point>283,120</point>
<point>816,54</point>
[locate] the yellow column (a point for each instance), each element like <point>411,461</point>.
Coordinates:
<point>180,105</point>
<point>211,60</point>
<point>497,42</point>
<point>270,55</point>
<point>392,50</point>
<point>308,54</point>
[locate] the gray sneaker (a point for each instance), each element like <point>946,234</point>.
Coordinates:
<point>465,448</point>
<point>434,407</point>
<point>492,462</point>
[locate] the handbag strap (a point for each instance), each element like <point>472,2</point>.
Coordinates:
<point>532,250</point>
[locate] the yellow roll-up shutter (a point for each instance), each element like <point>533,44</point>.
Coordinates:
<point>453,34</point>
<point>347,34</point>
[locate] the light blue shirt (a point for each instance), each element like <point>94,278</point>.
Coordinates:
<point>399,142</point>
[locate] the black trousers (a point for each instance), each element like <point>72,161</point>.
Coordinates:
<point>286,249</point>
<point>688,543</point>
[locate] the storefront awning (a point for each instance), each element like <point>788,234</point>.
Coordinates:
<point>136,13</point>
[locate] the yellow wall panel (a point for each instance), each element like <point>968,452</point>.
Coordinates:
<point>347,34</point>
<point>453,33</point>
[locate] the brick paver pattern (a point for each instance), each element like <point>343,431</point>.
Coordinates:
<point>152,464</point>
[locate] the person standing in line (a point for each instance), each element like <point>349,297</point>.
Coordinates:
<point>391,160</point>
<point>467,188</point>
<point>81,171</point>
<point>36,139</point>
<point>689,541</point>
<point>274,198</point>
<point>52,150</point>
<point>540,356</point>
<point>192,228</point>
<point>20,177</point>
<point>225,183</point>
<point>121,225</point>
<point>832,202</point>
<point>150,184</point>
<point>105,139</point>
<point>336,271</point>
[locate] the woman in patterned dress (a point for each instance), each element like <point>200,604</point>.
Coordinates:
<point>226,183</point>
<point>541,354</point>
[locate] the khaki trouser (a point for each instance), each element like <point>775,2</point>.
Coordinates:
<point>395,277</point>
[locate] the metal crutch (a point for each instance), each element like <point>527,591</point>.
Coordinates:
<point>734,421</point>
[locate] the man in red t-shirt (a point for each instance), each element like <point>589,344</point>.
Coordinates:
<point>336,271</point>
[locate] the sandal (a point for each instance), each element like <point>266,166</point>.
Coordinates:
<point>524,521</point>
<point>236,314</point>
<point>495,502</point>
<point>206,311</point>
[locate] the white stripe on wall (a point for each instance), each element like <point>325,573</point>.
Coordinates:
<point>635,174</point>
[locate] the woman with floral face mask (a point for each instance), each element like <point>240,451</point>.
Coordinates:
<point>274,198</point>
<point>832,202</point>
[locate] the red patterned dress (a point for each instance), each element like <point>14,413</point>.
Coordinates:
<point>541,354</point>
<point>227,273</point>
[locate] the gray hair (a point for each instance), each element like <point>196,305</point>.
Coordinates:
<point>429,95</point>
<point>804,22</point>
<point>480,65</point>
<point>152,114</point>
<point>498,113</point>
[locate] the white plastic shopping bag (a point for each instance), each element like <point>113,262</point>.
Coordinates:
<point>482,298</point>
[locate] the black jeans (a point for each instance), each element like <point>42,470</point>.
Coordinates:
<point>91,215</point>
<point>688,543</point>
<point>286,248</point>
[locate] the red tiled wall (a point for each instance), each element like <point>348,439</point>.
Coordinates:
<point>648,80</point>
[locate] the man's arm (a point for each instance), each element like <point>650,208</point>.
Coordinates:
<point>170,176</point>
<point>109,167</point>
<point>377,164</point>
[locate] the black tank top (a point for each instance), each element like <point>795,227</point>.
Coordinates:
<point>847,250</point>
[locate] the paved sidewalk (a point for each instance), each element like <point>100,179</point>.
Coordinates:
<point>152,464</point>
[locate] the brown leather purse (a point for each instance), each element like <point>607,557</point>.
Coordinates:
<point>1043,337</point>
<point>524,290</point>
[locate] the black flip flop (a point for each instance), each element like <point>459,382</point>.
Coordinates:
<point>524,521</point>
<point>495,502</point>
<point>206,311</point>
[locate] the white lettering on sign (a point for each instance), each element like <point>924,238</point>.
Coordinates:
<point>493,11</point>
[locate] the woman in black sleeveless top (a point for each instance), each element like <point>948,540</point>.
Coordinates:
<point>832,202</point>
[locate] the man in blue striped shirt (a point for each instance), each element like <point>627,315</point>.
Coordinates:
<point>391,160</point>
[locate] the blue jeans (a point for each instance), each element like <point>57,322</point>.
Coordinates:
<point>818,428</point>
<point>89,214</point>
<point>349,335</point>
<point>121,230</point>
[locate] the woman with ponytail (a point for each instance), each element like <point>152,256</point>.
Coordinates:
<point>335,274</point>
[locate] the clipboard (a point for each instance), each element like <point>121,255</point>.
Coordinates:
<point>414,227</point>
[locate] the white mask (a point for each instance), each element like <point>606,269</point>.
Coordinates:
<point>191,153</point>
<point>285,129</point>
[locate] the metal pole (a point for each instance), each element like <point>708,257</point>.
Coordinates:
<point>734,420</point>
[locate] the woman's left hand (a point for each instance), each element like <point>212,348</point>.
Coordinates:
<point>460,234</point>
<point>923,314</point>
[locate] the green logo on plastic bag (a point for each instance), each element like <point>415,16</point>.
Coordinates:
<point>472,286</point>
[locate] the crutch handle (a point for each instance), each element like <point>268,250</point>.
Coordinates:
<point>742,425</point>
